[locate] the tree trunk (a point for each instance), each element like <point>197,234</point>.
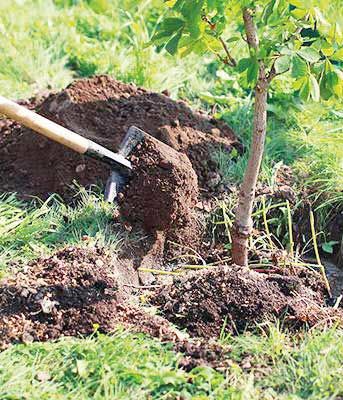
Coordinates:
<point>243,224</point>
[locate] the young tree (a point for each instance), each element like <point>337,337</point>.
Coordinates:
<point>279,36</point>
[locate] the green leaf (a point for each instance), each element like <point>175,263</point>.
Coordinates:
<point>252,71</point>
<point>282,64</point>
<point>327,49</point>
<point>267,12</point>
<point>99,6</point>
<point>172,24</point>
<point>332,79</point>
<point>309,54</point>
<point>243,64</point>
<point>305,89</point>
<point>328,246</point>
<point>299,67</point>
<point>338,55</point>
<point>173,43</point>
<point>233,39</point>
<point>298,3</point>
<point>314,88</point>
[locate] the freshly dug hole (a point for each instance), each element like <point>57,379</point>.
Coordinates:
<point>235,299</point>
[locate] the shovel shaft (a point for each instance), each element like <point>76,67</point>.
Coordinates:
<point>60,134</point>
<point>43,126</point>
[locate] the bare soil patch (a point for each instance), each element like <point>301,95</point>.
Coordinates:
<point>234,299</point>
<point>77,291</point>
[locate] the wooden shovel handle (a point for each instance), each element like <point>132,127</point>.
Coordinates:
<point>43,126</point>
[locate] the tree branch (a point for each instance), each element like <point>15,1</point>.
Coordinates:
<point>229,60</point>
<point>272,73</point>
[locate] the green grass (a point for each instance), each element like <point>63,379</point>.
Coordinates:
<point>46,44</point>
<point>30,230</point>
<point>267,365</point>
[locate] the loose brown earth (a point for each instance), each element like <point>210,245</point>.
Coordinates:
<point>102,109</point>
<point>77,291</point>
<point>163,189</point>
<point>235,299</point>
<point>162,194</point>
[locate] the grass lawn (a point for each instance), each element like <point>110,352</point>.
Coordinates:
<point>271,365</point>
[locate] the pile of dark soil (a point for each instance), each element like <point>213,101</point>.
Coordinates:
<point>237,299</point>
<point>65,294</point>
<point>163,189</point>
<point>77,291</point>
<point>161,195</point>
<point>102,109</point>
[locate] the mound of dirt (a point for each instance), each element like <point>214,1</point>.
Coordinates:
<point>102,109</point>
<point>76,291</point>
<point>161,196</point>
<point>163,189</point>
<point>65,294</point>
<point>237,299</point>
<point>72,293</point>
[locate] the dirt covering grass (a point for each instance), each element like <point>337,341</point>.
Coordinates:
<point>232,299</point>
<point>77,291</point>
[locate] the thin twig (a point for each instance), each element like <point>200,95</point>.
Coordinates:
<point>143,286</point>
<point>290,229</point>
<point>159,271</point>
<point>265,221</point>
<point>316,252</point>
<point>229,60</point>
<point>338,302</point>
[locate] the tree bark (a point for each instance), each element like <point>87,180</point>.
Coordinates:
<point>243,224</point>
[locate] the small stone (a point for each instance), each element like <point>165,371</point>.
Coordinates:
<point>99,263</point>
<point>214,180</point>
<point>221,188</point>
<point>48,306</point>
<point>43,376</point>
<point>246,365</point>
<point>25,292</point>
<point>80,168</point>
<point>215,132</point>
<point>116,215</point>
<point>27,338</point>
<point>199,205</point>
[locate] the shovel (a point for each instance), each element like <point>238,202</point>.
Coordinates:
<point>120,166</point>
